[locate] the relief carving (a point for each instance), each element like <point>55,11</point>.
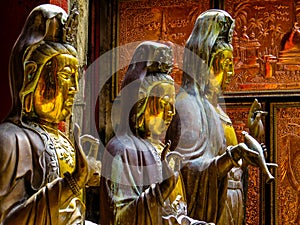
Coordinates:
<point>288,157</point>
<point>253,197</point>
<point>261,59</point>
<point>171,20</point>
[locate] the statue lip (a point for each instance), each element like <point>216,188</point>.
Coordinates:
<point>70,101</point>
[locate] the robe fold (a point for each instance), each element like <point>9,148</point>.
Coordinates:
<point>30,187</point>
<point>130,192</point>
<point>196,132</point>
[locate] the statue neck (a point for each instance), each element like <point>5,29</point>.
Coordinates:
<point>49,127</point>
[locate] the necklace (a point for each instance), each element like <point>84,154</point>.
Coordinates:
<point>64,150</point>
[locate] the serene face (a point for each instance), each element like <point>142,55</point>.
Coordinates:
<point>56,89</point>
<point>222,69</point>
<point>160,109</point>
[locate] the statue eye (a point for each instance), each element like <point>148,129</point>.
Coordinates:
<point>66,72</point>
<point>166,98</point>
<point>164,101</point>
<point>227,61</point>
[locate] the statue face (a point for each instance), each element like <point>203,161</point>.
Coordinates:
<point>160,109</point>
<point>223,68</point>
<point>56,88</point>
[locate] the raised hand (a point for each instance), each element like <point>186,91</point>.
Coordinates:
<point>170,177</point>
<point>94,164</point>
<point>81,172</point>
<point>254,119</point>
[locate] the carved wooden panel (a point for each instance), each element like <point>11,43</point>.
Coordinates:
<point>170,20</point>
<point>260,63</point>
<point>239,115</point>
<point>286,137</point>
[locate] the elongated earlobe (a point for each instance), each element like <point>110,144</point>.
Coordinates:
<point>140,122</point>
<point>29,75</point>
<point>29,71</point>
<point>28,101</point>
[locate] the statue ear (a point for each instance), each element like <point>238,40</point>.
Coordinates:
<point>28,100</point>
<point>29,74</point>
<point>141,120</point>
<point>29,71</point>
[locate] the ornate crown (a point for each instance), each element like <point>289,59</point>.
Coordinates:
<point>62,27</point>
<point>71,26</point>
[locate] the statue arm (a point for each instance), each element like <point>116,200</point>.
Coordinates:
<point>127,203</point>
<point>20,171</point>
<point>233,154</point>
<point>16,170</point>
<point>124,199</point>
<point>40,209</point>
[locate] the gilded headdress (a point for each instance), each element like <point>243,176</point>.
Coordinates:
<point>150,66</point>
<point>48,31</point>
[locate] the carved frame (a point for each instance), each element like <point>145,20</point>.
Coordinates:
<point>285,134</point>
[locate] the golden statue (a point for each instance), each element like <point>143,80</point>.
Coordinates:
<point>138,185</point>
<point>42,172</point>
<point>201,131</point>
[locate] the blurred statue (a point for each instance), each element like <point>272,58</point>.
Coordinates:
<point>140,183</point>
<point>42,172</point>
<point>202,132</point>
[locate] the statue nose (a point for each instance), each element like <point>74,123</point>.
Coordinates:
<point>171,112</point>
<point>73,89</point>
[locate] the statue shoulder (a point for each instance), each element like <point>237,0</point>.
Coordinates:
<point>8,144</point>
<point>12,136</point>
<point>118,145</point>
<point>8,133</point>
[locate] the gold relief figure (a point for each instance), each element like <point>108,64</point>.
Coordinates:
<point>202,132</point>
<point>42,172</point>
<point>138,185</point>
<point>290,47</point>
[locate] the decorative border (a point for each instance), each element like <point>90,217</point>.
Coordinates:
<point>275,156</point>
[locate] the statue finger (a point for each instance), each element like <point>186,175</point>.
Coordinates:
<point>165,150</point>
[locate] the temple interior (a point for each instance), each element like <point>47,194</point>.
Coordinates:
<point>266,47</point>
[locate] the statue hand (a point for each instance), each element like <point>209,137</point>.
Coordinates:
<point>259,161</point>
<point>250,156</point>
<point>82,169</point>
<point>93,163</point>
<point>170,177</point>
<point>165,151</point>
<point>254,119</point>
<point>94,172</point>
<point>237,152</point>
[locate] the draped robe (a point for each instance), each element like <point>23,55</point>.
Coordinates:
<point>197,133</point>
<point>30,188</point>
<point>131,171</point>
